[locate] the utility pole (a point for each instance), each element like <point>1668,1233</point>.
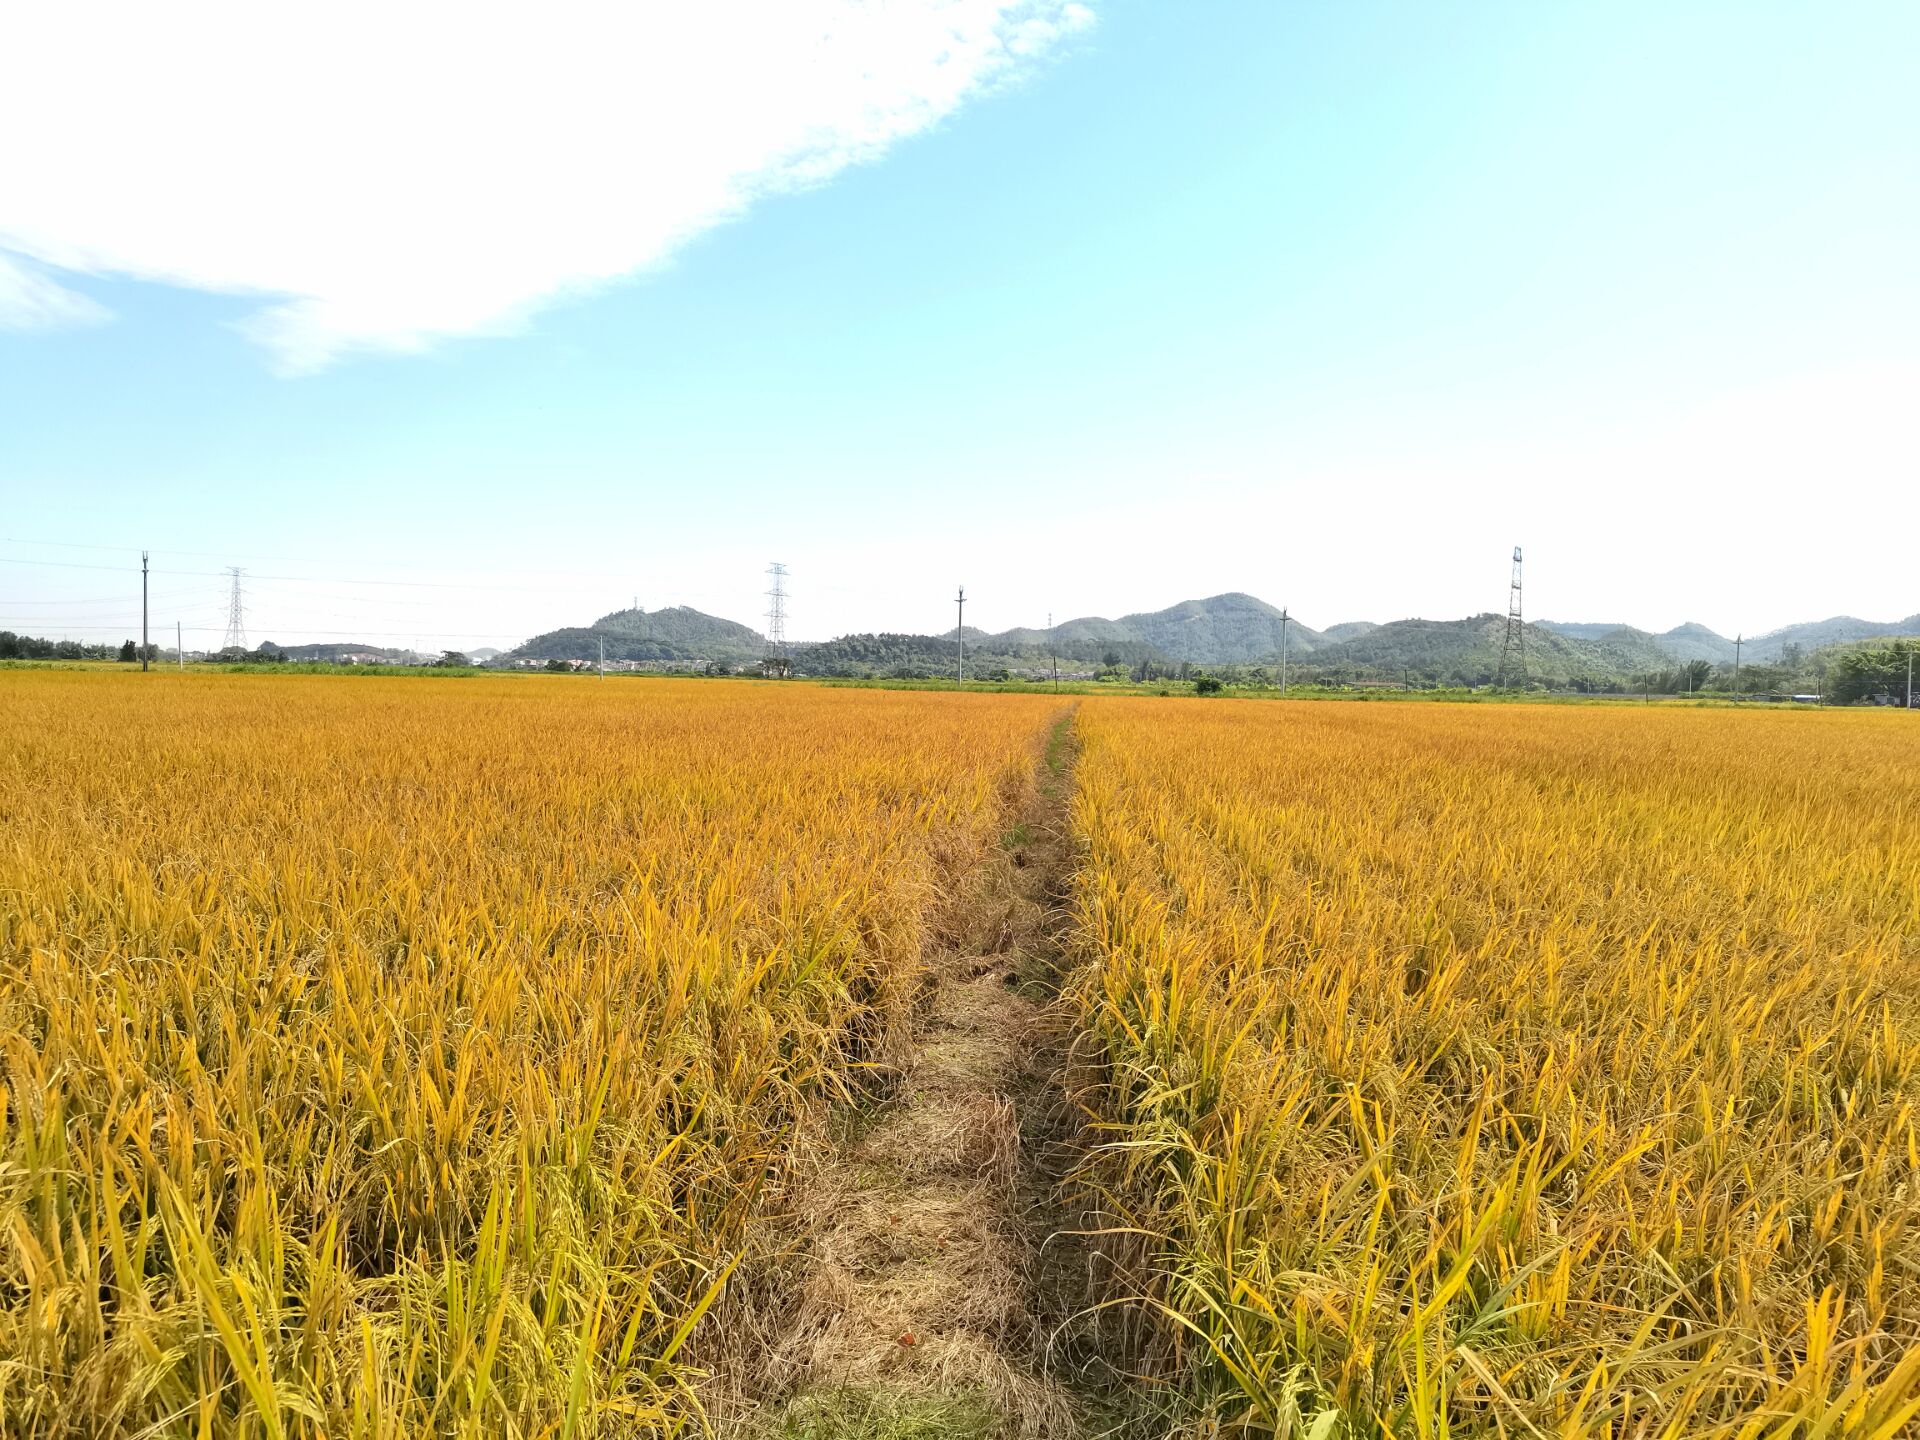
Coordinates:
<point>960,630</point>
<point>1283,650</point>
<point>1053,654</point>
<point>1909,675</point>
<point>179,647</point>
<point>143,610</point>
<point>1736,663</point>
<point>603,657</point>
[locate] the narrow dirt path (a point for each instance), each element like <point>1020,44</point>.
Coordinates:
<point>917,1314</point>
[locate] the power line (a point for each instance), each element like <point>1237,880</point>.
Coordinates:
<point>97,599</point>
<point>568,575</point>
<point>90,612</point>
<point>101,623</point>
<point>207,554</point>
<point>255,577</point>
<point>297,579</point>
<point>121,629</point>
<point>383,601</point>
<point>76,565</point>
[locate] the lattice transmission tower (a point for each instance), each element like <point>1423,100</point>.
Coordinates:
<point>236,613</point>
<point>1513,651</point>
<point>776,661</point>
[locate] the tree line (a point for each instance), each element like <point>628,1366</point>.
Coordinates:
<point>35,647</point>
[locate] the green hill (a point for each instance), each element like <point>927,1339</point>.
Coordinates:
<point>338,650</point>
<point>917,656</point>
<point>1814,634</point>
<point>1583,630</point>
<point>1467,652</point>
<point>1693,641</point>
<point>1690,641</point>
<point>1628,652</point>
<point>1087,630</point>
<point>678,633</point>
<point>1228,629</point>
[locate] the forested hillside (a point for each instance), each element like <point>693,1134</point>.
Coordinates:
<point>678,633</point>
<point>1241,634</point>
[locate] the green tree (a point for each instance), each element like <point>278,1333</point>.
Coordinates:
<point>1868,672</point>
<point>1759,679</point>
<point>1207,685</point>
<point>452,660</point>
<point>129,652</point>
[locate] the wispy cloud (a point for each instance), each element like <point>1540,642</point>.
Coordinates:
<point>384,176</point>
<point>30,301</point>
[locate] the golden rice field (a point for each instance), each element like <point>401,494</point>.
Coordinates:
<point>388,1057</point>
<point>1533,1071</point>
<point>392,1057</point>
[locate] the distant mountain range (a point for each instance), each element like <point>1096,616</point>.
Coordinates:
<point>1230,629</point>
<point>1696,642</point>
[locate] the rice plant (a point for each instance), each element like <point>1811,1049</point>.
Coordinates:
<point>1506,1070</point>
<point>380,1058</point>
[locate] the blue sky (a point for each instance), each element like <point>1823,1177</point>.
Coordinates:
<point>1329,303</point>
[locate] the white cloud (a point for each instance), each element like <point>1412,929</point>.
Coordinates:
<point>385,175</point>
<point>30,301</point>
